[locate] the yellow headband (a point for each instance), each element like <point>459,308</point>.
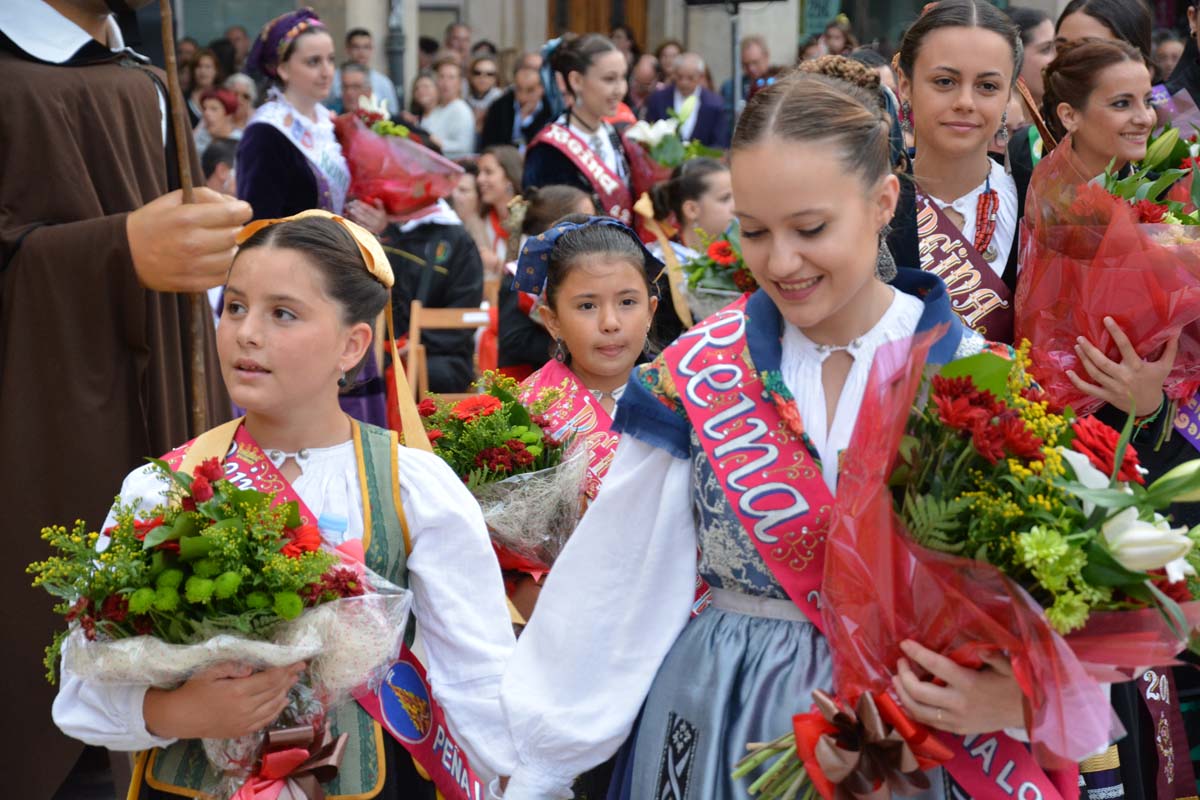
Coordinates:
<point>368,246</point>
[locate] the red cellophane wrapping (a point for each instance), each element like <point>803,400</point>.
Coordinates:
<point>1084,256</point>
<point>645,172</point>
<point>881,588</point>
<point>404,175</point>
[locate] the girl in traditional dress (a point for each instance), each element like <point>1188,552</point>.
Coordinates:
<point>299,306</point>
<point>596,282</point>
<point>1096,104</point>
<point>958,63</point>
<point>699,196</point>
<point>580,148</point>
<point>289,158</point>
<point>813,189</point>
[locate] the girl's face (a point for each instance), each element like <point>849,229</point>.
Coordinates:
<point>215,118</point>
<point>425,93</point>
<point>495,189</point>
<point>810,230</point>
<point>282,341</point>
<point>1167,56</point>
<point>1038,54</point>
<point>1118,117</point>
<point>206,73</point>
<point>309,70</point>
<point>712,211</point>
<point>602,312</point>
<point>1079,26</point>
<point>600,89</point>
<point>667,60</point>
<point>960,87</point>
<point>835,40</point>
<point>465,197</point>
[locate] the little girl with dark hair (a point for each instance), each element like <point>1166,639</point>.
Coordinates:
<point>300,306</point>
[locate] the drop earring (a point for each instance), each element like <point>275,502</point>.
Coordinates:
<point>560,351</point>
<point>342,382</point>
<point>906,123</point>
<point>1002,134</point>
<point>885,264</point>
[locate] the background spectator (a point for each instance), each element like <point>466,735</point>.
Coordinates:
<point>707,123</point>
<point>218,108</point>
<point>452,122</point>
<point>240,40</point>
<point>622,36</point>
<point>360,46</point>
<point>246,92</point>
<point>482,88</point>
<point>218,162</point>
<point>427,52</point>
<point>643,81</point>
<point>872,58</point>
<point>424,98</point>
<point>666,54</point>
<point>226,55</point>
<point>458,42</point>
<point>498,181</point>
<point>1168,50</point>
<point>518,114</point>
<point>839,38</point>
<point>756,60</point>
<point>204,73</point>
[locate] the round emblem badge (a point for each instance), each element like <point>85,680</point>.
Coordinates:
<point>404,701</point>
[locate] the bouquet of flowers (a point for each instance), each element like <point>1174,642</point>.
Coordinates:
<point>980,520</point>
<point>387,165</point>
<point>661,148</point>
<point>1126,248</point>
<point>718,276</point>
<point>220,574</point>
<point>528,483</point>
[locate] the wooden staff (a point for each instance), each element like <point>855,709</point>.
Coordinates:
<point>199,301</point>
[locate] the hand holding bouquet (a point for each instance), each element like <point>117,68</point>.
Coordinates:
<point>219,574</point>
<point>979,521</point>
<point>528,483</point>
<point>1125,248</point>
<point>386,165</point>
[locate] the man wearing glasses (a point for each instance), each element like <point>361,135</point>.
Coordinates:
<point>519,113</point>
<point>359,48</point>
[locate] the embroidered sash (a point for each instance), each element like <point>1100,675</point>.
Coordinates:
<point>614,194</point>
<point>977,294</point>
<point>404,704</point>
<point>576,413</point>
<point>316,141</point>
<point>776,489</point>
<point>1187,421</point>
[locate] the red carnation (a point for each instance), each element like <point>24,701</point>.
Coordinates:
<point>143,624</point>
<point>474,407</point>
<point>143,526</point>
<point>188,504</point>
<point>1092,201</point>
<point>427,408</point>
<point>305,539</point>
<point>201,489</point>
<point>744,280</point>
<point>82,606</point>
<point>722,252</point>
<point>433,435</point>
<point>1019,440</point>
<point>1098,442</point>
<point>209,469</point>
<point>115,608</point>
<point>989,442</point>
<point>1150,212</point>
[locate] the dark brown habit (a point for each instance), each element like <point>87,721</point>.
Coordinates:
<point>93,367</point>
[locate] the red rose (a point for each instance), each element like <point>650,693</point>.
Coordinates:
<point>989,442</point>
<point>1150,212</point>
<point>744,280</point>
<point>433,435</point>
<point>188,504</point>
<point>209,469</point>
<point>201,489</point>
<point>474,407</point>
<point>1019,440</point>
<point>427,408</point>
<point>722,252</point>
<point>1098,442</point>
<point>305,539</point>
<point>143,526</point>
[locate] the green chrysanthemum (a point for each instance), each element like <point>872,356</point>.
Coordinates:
<point>141,601</point>
<point>1068,612</point>
<point>288,605</point>
<point>226,585</point>
<point>198,590</point>
<point>170,579</point>
<point>166,599</point>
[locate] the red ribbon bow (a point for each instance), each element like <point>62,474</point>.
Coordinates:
<point>296,757</point>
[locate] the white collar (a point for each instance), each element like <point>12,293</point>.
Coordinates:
<point>47,35</point>
<point>440,213</point>
<point>899,320</point>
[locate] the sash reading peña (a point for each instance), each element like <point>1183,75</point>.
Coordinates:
<point>778,493</point>
<point>615,197</point>
<point>404,704</point>
<point>977,294</point>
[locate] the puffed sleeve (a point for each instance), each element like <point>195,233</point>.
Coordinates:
<point>459,606</point>
<point>107,715</point>
<point>615,602</point>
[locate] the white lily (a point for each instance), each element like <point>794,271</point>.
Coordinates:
<point>1141,546</point>
<point>368,103</point>
<point>1085,473</point>
<point>1186,469</point>
<point>649,134</point>
<point>687,108</point>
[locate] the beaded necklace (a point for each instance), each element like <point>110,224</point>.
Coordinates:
<point>985,220</point>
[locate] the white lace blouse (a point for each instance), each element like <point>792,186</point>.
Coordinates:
<point>967,206</point>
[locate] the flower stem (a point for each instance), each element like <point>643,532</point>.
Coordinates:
<point>786,758</point>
